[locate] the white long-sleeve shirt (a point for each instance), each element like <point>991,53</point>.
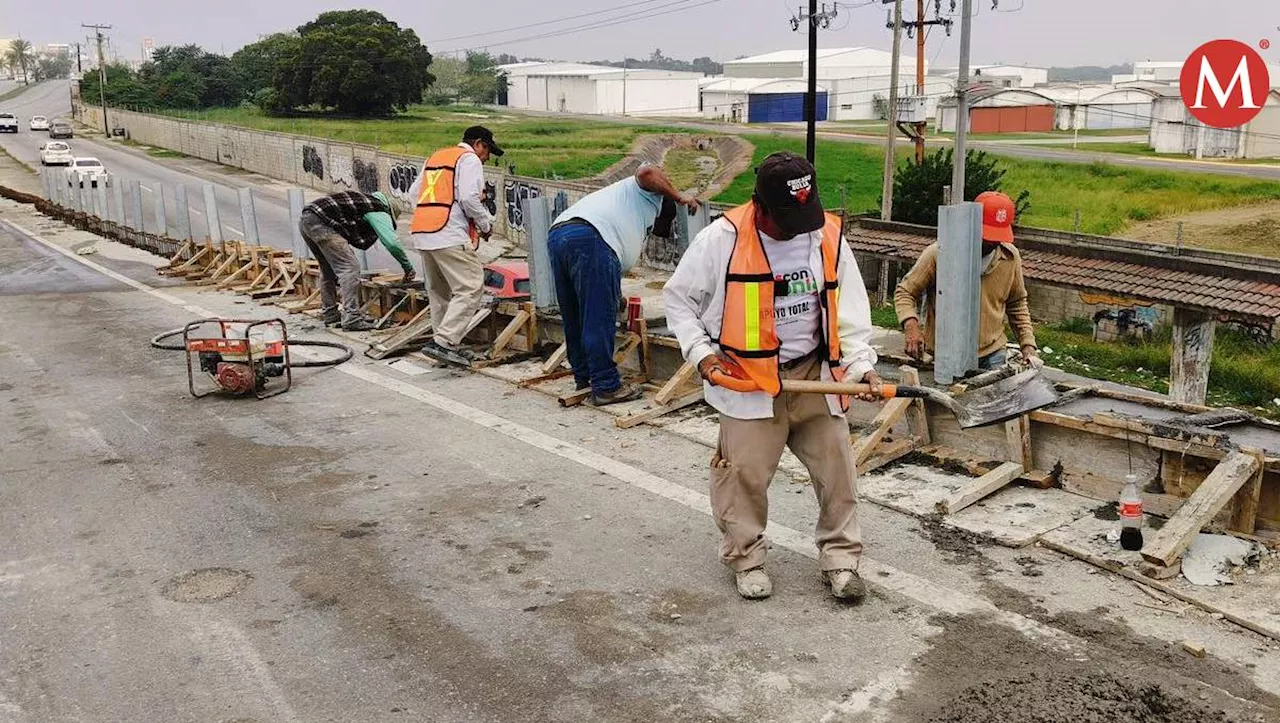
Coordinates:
<point>694,300</point>
<point>468,185</point>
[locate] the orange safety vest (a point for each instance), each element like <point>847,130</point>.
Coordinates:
<point>748,335</point>
<point>437,196</point>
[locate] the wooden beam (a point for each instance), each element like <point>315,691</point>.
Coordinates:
<point>657,410</point>
<point>1018,435</point>
<point>628,345</point>
<point>513,327</point>
<point>886,453</point>
<point>531,328</point>
<point>1192,350</point>
<point>556,359</point>
<point>981,487</point>
<point>573,399</point>
<point>879,426</point>
<point>918,414</point>
<point>646,364</point>
<point>1244,518</point>
<point>686,372</point>
<point>1169,542</point>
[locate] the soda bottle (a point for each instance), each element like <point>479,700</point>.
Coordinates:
<point>1131,514</point>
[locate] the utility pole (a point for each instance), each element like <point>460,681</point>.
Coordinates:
<point>891,122</point>
<point>79,62</point>
<point>962,104</point>
<point>814,19</point>
<point>102,73</point>
<point>916,28</point>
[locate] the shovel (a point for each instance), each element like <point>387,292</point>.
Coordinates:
<point>998,401</point>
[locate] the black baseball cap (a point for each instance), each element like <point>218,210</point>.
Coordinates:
<point>480,133</point>
<point>787,186</point>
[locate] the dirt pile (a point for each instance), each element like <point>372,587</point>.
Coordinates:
<point>1085,698</point>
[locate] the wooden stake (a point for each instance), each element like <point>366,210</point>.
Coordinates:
<point>1209,498</point>
<point>677,380</point>
<point>657,410</point>
<point>557,358</point>
<point>519,320</point>
<point>880,426</point>
<point>1018,435</point>
<point>918,414</point>
<point>981,487</point>
<point>1245,517</point>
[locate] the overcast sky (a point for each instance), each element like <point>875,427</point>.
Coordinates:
<point>1042,32</point>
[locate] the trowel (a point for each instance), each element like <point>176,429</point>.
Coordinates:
<point>1001,398</point>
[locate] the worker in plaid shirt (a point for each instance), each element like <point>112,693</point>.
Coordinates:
<point>331,226</point>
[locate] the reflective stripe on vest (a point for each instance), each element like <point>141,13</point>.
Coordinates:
<point>436,198</point>
<point>748,336</point>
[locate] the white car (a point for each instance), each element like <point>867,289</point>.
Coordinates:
<point>39,123</point>
<point>55,153</point>
<point>88,172</point>
<point>8,123</point>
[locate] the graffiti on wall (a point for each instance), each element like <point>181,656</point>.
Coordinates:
<point>515,192</point>
<point>340,170</point>
<point>489,197</point>
<point>400,179</point>
<point>366,175</point>
<point>312,163</point>
<point>1120,317</point>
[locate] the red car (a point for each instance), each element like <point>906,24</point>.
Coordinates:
<point>507,280</point>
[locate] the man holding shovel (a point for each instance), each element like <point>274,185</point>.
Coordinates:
<point>766,293</point>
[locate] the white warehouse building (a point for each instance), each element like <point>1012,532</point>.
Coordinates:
<point>600,89</point>
<point>1175,130</point>
<point>1101,107</point>
<point>757,100</point>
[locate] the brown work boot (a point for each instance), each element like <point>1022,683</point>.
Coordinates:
<point>754,584</point>
<point>845,584</point>
<point>624,393</point>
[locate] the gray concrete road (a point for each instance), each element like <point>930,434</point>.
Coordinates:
<point>378,546</point>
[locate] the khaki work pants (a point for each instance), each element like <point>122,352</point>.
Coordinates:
<point>752,448</point>
<point>455,290</point>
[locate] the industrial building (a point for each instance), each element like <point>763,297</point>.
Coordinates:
<point>1001,110</point>
<point>600,89</point>
<point>758,100</point>
<point>1001,76</point>
<point>1175,130</point>
<point>1101,106</point>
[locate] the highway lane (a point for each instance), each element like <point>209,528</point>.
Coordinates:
<point>127,164</point>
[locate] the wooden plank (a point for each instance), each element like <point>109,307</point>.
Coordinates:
<point>879,426</point>
<point>918,414</point>
<point>657,410</point>
<point>509,333</point>
<point>628,345</point>
<point>1169,542</point>
<point>646,363</point>
<point>416,327</point>
<point>556,359</point>
<point>1018,433</point>
<point>573,399</point>
<point>981,487</point>
<point>531,330</point>
<point>1244,517</point>
<point>686,372</point>
<point>886,453</point>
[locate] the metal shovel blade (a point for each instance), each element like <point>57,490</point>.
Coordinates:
<point>1004,400</point>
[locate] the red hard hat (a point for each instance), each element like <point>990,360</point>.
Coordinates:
<point>997,216</point>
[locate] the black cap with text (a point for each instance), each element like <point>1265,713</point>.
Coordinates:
<point>787,186</point>
<point>480,133</point>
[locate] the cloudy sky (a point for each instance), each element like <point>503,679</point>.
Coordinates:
<point>1041,32</point>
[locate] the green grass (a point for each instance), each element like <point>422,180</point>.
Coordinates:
<point>1142,149</point>
<point>536,146</point>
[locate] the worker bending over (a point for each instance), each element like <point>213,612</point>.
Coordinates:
<point>770,292</point>
<point>1004,293</point>
<point>448,223</point>
<point>330,226</point>
<point>592,244</point>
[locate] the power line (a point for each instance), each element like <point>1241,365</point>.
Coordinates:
<point>553,21</point>
<point>102,72</point>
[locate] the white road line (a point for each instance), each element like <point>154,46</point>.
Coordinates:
<point>877,574</point>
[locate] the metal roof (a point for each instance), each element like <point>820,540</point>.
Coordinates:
<point>722,84</point>
<point>1200,284</point>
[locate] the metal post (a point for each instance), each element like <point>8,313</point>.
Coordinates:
<point>86,199</point>
<point>962,104</point>
<point>183,211</point>
<point>811,98</point>
<point>162,223</point>
<point>44,182</point>
<point>117,205</point>
<point>100,201</point>
<point>958,288</point>
<point>135,202</point>
<point>886,191</point>
<point>211,213</point>
<point>537,224</point>
<point>248,217</point>
<point>296,202</point>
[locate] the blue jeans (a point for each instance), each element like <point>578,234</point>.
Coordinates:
<point>994,360</point>
<point>589,289</point>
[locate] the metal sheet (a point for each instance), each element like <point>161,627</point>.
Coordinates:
<point>537,224</point>
<point>956,298</point>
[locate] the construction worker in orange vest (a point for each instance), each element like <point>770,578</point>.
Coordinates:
<point>770,292</point>
<point>448,222</point>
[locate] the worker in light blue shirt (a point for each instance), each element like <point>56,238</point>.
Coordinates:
<point>591,245</point>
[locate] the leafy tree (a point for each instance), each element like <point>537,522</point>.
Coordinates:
<point>446,86</point>
<point>19,57</point>
<point>356,61</point>
<point>123,88</point>
<point>481,78</point>
<point>506,59</point>
<point>658,61</point>
<point>917,189</point>
<point>48,67</point>
<point>259,64</point>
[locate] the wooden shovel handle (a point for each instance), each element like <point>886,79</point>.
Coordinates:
<point>738,384</point>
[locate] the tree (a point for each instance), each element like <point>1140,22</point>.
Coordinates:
<point>356,61</point>
<point>446,86</point>
<point>506,59</point>
<point>481,79</point>
<point>917,189</point>
<point>48,67</point>
<point>259,64</point>
<point>19,57</point>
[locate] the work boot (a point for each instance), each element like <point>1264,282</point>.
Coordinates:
<point>624,393</point>
<point>845,584</point>
<point>359,323</point>
<point>754,584</point>
<point>439,352</point>
<point>332,318</point>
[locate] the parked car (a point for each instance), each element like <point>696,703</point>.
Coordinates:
<point>55,153</point>
<point>60,129</point>
<point>88,171</point>
<point>39,123</point>
<point>8,123</point>
<point>507,280</point>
